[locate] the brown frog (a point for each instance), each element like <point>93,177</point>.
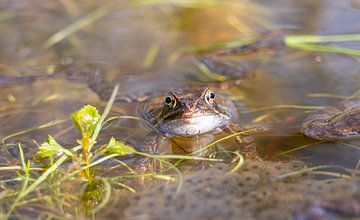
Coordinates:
<point>187,116</point>
<point>340,121</point>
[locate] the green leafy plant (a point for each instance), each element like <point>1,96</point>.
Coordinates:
<point>51,147</point>
<point>85,120</point>
<point>115,147</point>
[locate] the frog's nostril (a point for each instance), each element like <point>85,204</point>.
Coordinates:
<point>191,108</point>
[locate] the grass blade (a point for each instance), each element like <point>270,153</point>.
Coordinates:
<point>105,113</point>
<point>76,26</point>
<point>48,124</point>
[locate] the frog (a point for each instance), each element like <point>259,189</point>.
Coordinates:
<point>191,115</point>
<point>336,122</point>
<point>188,117</point>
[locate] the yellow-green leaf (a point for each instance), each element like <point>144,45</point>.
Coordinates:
<point>86,119</point>
<point>51,147</point>
<point>116,147</point>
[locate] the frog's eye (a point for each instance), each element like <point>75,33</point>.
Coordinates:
<point>210,96</point>
<point>170,101</point>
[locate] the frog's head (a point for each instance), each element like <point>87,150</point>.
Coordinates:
<point>190,114</point>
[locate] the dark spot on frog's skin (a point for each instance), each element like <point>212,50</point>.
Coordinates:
<point>268,173</point>
<point>278,167</point>
<point>248,178</point>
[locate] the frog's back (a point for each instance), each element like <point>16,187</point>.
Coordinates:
<point>339,121</point>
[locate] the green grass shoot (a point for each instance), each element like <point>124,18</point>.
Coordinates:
<point>317,43</point>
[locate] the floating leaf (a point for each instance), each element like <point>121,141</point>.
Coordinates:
<point>86,119</point>
<point>115,147</point>
<point>51,147</point>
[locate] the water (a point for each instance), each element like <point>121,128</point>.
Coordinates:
<point>137,45</point>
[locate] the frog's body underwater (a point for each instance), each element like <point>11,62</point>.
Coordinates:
<point>191,115</point>
<point>186,116</point>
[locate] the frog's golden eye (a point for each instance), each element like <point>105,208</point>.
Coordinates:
<point>170,101</point>
<point>210,96</point>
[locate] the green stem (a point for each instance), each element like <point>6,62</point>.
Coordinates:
<point>105,113</point>
<point>306,39</point>
<point>86,145</point>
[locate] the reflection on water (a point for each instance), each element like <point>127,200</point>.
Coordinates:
<point>138,46</point>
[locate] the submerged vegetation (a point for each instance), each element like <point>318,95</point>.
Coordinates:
<point>315,43</point>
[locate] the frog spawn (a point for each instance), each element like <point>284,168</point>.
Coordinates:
<point>253,192</point>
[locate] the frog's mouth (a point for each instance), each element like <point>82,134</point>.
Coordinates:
<point>192,126</point>
<point>187,116</point>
